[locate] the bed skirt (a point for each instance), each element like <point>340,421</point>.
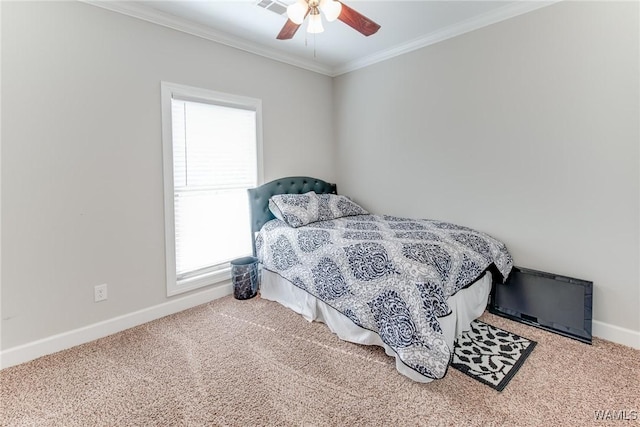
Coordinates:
<point>466,305</point>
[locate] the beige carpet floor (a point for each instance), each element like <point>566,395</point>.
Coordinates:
<point>241,363</point>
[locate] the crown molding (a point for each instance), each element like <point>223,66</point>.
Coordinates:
<point>501,14</point>
<point>148,14</point>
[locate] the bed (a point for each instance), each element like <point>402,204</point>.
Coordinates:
<point>408,285</point>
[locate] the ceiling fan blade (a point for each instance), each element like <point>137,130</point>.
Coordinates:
<point>357,21</point>
<point>288,31</point>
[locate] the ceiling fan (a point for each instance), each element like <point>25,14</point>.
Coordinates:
<point>332,9</point>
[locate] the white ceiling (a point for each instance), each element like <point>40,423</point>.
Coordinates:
<point>405,26</point>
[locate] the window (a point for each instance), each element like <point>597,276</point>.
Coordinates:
<point>212,154</point>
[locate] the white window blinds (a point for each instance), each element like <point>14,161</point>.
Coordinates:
<point>214,162</point>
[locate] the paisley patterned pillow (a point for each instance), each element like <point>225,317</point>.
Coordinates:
<point>302,209</point>
<point>295,209</point>
<point>332,206</point>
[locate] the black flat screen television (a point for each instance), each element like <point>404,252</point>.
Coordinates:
<point>549,301</point>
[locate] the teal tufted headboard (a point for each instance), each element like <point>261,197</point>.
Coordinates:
<point>259,197</point>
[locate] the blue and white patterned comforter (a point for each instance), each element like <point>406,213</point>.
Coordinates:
<point>387,274</point>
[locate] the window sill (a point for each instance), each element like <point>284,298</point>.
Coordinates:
<point>207,279</point>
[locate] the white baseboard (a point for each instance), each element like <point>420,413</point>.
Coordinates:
<point>55,343</point>
<point>33,350</point>
<point>616,334</point>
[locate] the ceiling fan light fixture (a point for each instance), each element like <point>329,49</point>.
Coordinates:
<point>297,11</point>
<point>331,9</point>
<point>315,24</point>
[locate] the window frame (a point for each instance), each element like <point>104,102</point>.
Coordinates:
<point>168,91</point>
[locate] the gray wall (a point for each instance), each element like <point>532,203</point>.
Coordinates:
<point>527,129</point>
<point>82,192</point>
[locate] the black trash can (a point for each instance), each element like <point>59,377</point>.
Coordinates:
<point>244,275</point>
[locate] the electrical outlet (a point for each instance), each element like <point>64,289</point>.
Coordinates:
<point>100,292</point>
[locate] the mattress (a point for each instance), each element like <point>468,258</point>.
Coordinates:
<point>466,305</point>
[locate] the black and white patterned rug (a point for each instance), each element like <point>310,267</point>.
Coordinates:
<point>490,355</point>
